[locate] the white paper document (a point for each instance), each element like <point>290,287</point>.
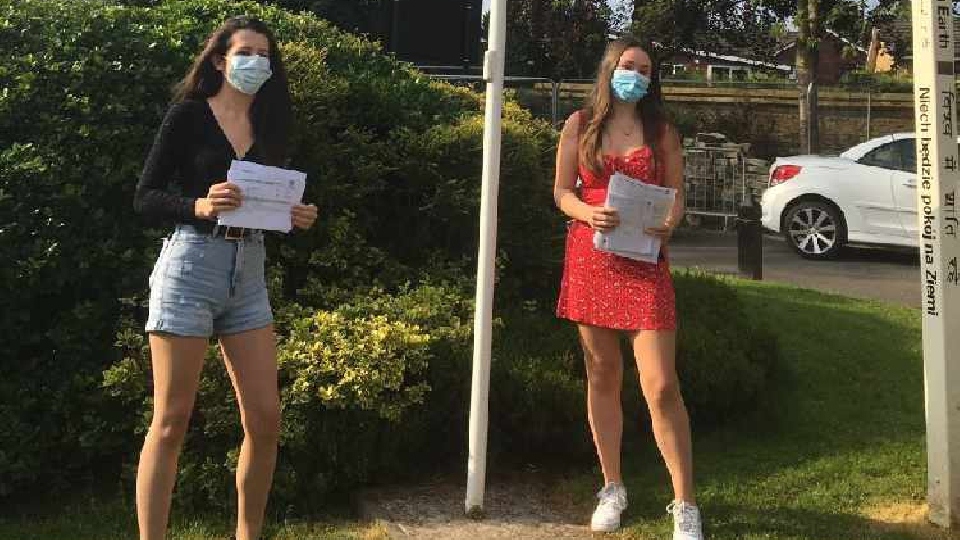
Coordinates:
<point>268,195</point>
<point>640,206</point>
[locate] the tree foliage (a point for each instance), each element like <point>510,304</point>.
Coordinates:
<point>557,38</point>
<point>719,26</point>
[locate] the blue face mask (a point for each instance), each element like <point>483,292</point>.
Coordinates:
<point>248,73</point>
<point>628,85</point>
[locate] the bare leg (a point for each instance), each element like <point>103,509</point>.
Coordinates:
<point>656,362</point>
<point>251,360</point>
<point>604,363</point>
<point>177,362</point>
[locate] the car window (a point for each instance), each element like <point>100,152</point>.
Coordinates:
<point>908,155</point>
<point>887,156</point>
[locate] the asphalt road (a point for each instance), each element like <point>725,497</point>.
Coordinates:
<point>888,274</point>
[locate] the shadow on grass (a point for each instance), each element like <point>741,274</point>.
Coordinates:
<point>840,428</point>
<point>788,522</point>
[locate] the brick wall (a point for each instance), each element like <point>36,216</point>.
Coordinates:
<point>769,119</point>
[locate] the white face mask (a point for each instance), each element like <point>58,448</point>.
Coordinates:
<point>248,73</point>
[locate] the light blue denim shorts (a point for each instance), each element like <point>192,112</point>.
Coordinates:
<point>203,286</point>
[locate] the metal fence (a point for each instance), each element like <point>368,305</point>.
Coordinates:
<point>719,176</point>
<point>715,180</point>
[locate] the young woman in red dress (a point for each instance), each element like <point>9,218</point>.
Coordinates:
<point>624,129</point>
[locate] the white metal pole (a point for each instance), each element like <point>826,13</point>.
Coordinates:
<point>936,184</point>
<point>493,75</point>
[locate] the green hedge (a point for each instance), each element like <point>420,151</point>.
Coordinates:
<point>726,359</point>
<point>393,159</point>
<point>372,304</point>
<point>863,81</point>
<point>357,396</point>
<point>378,389</point>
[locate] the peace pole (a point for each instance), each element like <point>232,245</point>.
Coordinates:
<point>936,184</point>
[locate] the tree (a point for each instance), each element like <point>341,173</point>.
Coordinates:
<point>735,26</point>
<point>848,19</point>
<point>721,26</point>
<point>621,16</point>
<point>809,36</point>
<point>354,16</point>
<point>897,36</point>
<point>580,31</point>
<point>557,38</point>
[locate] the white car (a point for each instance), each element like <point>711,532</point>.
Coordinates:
<point>868,194</point>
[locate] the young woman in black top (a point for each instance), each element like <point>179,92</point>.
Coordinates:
<point>208,280</point>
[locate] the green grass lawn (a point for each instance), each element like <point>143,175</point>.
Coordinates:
<point>115,520</point>
<point>836,453</point>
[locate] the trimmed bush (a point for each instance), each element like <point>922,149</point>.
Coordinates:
<point>372,304</point>
<point>378,388</point>
<point>725,355</point>
<point>725,360</point>
<point>357,396</point>
<point>392,157</point>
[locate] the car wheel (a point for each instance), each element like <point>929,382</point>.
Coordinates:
<point>815,229</point>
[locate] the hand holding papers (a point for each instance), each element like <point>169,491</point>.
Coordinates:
<point>268,195</point>
<point>640,206</point>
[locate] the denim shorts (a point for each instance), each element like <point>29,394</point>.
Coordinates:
<point>203,286</point>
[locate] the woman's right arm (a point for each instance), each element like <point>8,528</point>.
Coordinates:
<point>152,198</point>
<point>565,181</point>
<point>170,149</point>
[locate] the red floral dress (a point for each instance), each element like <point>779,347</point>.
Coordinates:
<point>607,290</point>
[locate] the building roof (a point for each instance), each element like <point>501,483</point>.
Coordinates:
<point>846,41</point>
<point>789,39</point>
<point>738,55</point>
<point>902,29</point>
<point>739,59</point>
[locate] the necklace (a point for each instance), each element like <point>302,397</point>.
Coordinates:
<point>627,132</point>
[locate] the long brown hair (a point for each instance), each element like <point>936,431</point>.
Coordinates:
<point>270,111</point>
<point>599,105</point>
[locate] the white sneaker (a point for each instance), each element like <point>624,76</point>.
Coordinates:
<point>613,501</point>
<point>686,521</point>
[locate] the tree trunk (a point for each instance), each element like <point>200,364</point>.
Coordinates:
<point>873,51</point>
<point>816,31</point>
<point>542,65</point>
<point>808,59</point>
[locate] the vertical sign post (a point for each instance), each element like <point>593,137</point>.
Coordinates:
<point>937,182</point>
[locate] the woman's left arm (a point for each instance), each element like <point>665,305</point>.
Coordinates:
<point>303,215</point>
<point>672,152</point>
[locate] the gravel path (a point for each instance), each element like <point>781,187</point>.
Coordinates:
<point>522,509</point>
